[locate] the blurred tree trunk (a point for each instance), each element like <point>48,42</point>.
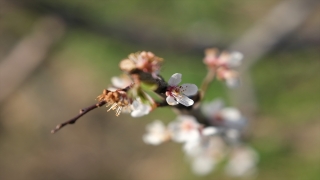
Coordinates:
<point>28,54</point>
<point>283,20</point>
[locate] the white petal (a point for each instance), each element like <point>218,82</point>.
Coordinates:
<point>185,128</point>
<point>203,165</point>
<point>156,133</point>
<point>139,109</point>
<point>184,100</point>
<point>171,101</point>
<point>233,136</point>
<point>138,113</point>
<point>209,131</point>
<point>242,162</point>
<point>232,82</point>
<point>149,139</point>
<point>193,148</point>
<point>231,114</point>
<point>135,104</point>
<point>235,59</point>
<point>189,89</point>
<point>156,126</point>
<point>175,79</point>
<point>212,108</point>
<point>112,89</point>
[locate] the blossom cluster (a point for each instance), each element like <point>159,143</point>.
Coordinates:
<point>207,139</point>
<point>205,147</point>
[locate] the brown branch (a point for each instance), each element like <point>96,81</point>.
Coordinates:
<point>82,112</point>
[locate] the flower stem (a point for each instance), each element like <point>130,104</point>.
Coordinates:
<point>206,82</point>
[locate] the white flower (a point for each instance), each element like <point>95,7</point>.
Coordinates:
<point>242,162</point>
<point>227,117</point>
<point>185,128</point>
<point>179,94</point>
<point>224,63</point>
<point>232,118</point>
<point>213,108</point>
<point>139,109</point>
<point>157,133</point>
<point>198,145</point>
<point>231,60</point>
<point>203,165</point>
<point>205,153</point>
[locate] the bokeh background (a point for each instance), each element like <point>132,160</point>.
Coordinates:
<point>56,56</point>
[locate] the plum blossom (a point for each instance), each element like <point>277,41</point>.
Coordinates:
<point>223,64</point>
<point>179,94</point>
<point>196,146</point>
<point>205,153</point>
<point>139,108</point>
<point>242,162</point>
<point>185,128</point>
<point>212,109</point>
<point>205,145</point>
<point>222,116</point>
<point>232,118</point>
<point>231,77</point>
<point>203,165</point>
<point>157,133</point>
<point>228,119</point>
<point>225,59</point>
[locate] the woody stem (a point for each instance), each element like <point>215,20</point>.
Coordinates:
<point>82,112</point>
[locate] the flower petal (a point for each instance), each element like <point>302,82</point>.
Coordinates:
<point>189,89</point>
<point>242,162</point>
<point>203,165</point>
<point>212,108</point>
<point>232,82</point>
<point>231,114</point>
<point>175,79</point>
<point>210,131</point>
<point>156,133</point>
<point>185,128</point>
<point>235,59</point>
<point>120,82</point>
<point>149,139</point>
<point>184,100</point>
<point>171,101</point>
<point>139,109</point>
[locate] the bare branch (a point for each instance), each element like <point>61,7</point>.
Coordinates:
<point>82,112</point>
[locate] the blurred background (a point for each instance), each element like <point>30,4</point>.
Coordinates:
<point>57,56</point>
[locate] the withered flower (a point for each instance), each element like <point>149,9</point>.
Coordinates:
<point>145,61</point>
<point>118,100</point>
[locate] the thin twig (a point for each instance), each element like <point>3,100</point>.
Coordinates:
<point>206,82</point>
<point>82,112</point>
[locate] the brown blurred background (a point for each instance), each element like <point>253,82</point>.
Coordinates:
<point>57,56</point>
